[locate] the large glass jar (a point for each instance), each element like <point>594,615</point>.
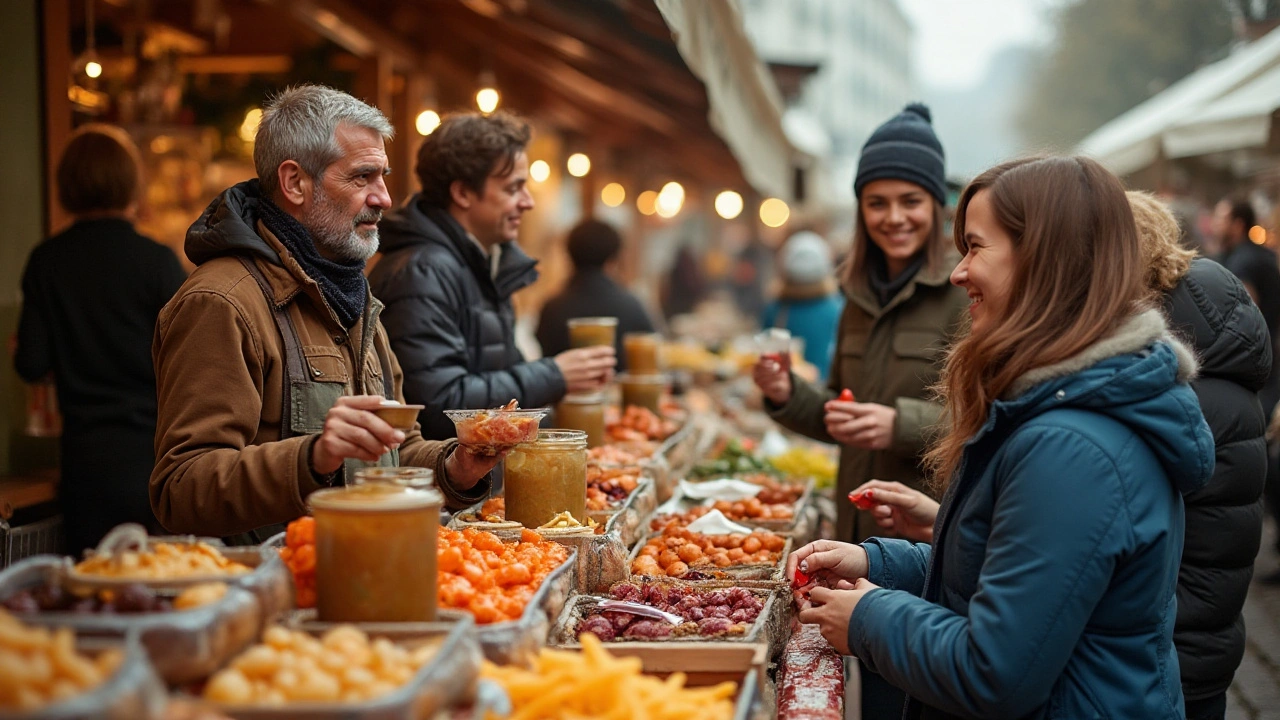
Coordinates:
<point>642,350</point>
<point>645,391</point>
<point>583,412</point>
<point>546,477</point>
<point>590,331</point>
<point>376,547</point>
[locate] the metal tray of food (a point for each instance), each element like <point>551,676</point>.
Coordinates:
<point>752,575</point>
<point>601,560</point>
<point>132,692</point>
<point>183,645</point>
<point>268,578</point>
<point>770,628</point>
<point>799,525</point>
<point>447,680</point>
<point>628,519</point>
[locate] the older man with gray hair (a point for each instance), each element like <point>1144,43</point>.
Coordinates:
<point>270,359</point>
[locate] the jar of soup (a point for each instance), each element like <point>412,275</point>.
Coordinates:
<point>590,331</point>
<point>642,350</point>
<point>546,477</point>
<point>583,412</point>
<point>645,391</point>
<point>376,548</point>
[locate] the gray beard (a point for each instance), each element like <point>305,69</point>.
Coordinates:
<point>337,236</point>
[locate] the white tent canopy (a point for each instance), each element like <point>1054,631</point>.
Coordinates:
<point>1223,106</point>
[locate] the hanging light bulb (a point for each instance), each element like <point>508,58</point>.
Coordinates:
<point>579,164</point>
<point>647,202</point>
<point>427,122</point>
<point>249,126</point>
<point>728,204</point>
<point>670,199</point>
<point>487,98</point>
<point>774,212</point>
<point>539,171</point>
<point>613,194</point>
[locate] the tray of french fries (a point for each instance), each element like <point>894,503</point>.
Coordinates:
<point>597,682</point>
<point>677,614</point>
<point>187,634</point>
<point>127,555</point>
<point>57,674</point>
<point>312,671</point>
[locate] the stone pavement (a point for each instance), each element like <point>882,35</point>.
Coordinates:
<point>1255,694</point>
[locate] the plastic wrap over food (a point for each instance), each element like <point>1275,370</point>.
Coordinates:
<point>132,692</point>
<point>183,645</point>
<point>770,628</point>
<point>448,680</point>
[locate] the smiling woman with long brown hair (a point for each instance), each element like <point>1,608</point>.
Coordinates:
<point>1072,435</point>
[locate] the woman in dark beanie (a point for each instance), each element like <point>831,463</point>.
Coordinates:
<point>899,315</point>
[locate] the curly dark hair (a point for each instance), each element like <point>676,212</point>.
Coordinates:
<point>468,147</point>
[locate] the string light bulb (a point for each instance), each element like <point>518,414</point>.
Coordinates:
<point>728,204</point>
<point>774,212</point>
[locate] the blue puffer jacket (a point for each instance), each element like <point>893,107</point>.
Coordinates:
<point>1049,590</point>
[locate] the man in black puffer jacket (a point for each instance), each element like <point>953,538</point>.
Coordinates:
<point>449,269</point>
<point>1211,310</point>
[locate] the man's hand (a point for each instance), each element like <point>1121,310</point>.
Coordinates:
<point>900,510</point>
<point>774,382</point>
<point>587,369</point>
<point>465,468</point>
<point>863,425</point>
<point>351,430</point>
<point>831,611</point>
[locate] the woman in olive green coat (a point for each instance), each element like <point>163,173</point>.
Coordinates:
<point>900,314</point>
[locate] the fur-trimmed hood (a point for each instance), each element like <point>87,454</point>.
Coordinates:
<point>1137,376</point>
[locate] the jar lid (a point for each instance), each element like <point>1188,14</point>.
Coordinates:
<point>410,477</point>
<point>558,439</point>
<point>610,321</point>
<point>374,497</point>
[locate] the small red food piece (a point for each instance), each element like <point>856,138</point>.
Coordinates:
<point>846,395</point>
<point>801,579</point>
<point>862,500</point>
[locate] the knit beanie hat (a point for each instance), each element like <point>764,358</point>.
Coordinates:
<point>904,148</point>
<point>805,258</point>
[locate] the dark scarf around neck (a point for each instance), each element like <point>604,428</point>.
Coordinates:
<point>878,274</point>
<point>341,283</point>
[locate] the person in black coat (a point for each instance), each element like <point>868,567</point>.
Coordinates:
<point>449,269</point>
<point>91,295</point>
<point>1211,310</point>
<point>592,291</point>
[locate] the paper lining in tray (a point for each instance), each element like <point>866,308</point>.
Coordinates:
<point>799,525</point>
<point>183,645</point>
<point>447,680</point>
<point>770,628</point>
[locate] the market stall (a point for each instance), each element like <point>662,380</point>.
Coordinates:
<point>575,591</point>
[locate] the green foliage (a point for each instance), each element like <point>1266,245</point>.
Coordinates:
<point>1110,55</point>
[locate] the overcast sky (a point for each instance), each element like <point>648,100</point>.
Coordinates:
<point>955,39</point>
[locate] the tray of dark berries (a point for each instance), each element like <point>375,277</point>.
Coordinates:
<point>188,633</point>
<point>707,613</point>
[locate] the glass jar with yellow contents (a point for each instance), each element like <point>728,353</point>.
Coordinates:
<point>376,547</point>
<point>644,353</point>
<point>546,477</point>
<point>585,412</point>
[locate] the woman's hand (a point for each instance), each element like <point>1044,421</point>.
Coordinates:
<point>902,511</point>
<point>831,610</point>
<point>773,380</point>
<point>862,425</point>
<point>827,562</point>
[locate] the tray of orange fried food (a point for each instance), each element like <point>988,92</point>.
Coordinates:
<point>515,589</point>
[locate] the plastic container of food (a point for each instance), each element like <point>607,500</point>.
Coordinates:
<point>643,352</point>
<point>376,550</point>
<point>489,432</point>
<point>447,680</point>
<point>183,645</point>
<point>583,412</point>
<point>546,477</point>
<point>591,331</point>
<point>645,391</point>
<point>132,692</point>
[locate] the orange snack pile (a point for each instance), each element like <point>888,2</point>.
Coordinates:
<point>608,486</point>
<point>490,579</point>
<point>676,551</point>
<point>639,423</point>
<point>299,555</point>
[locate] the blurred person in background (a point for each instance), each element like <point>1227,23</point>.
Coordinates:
<point>592,291</point>
<point>450,266</point>
<point>685,285</point>
<point>91,295</point>
<point>1208,308</point>
<point>809,303</point>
